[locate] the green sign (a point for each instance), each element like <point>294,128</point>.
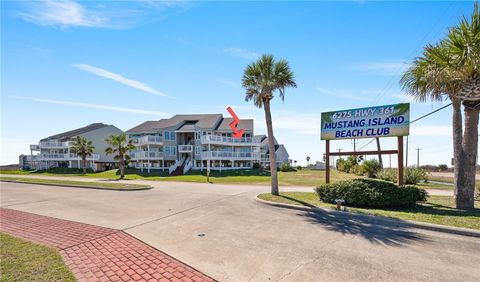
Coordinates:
<point>380,121</point>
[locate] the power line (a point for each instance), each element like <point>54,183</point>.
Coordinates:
<point>439,109</point>
<point>417,119</point>
<point>394,77</point>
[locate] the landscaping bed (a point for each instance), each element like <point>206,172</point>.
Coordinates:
<point>436,209</point>
<point>25,261</point>
<point>80,184</point>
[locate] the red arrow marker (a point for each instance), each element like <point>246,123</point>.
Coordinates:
<point>236,132</point>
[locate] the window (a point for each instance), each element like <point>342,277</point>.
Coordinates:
<point>170,150</point>
<point>197,150</point>
<point>170,135</point>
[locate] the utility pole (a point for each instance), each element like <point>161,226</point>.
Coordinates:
<point>418,156</point>
<point>354,145</point>
<point>379,155</point>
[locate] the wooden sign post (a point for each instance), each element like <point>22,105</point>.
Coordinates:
<point>399,152</point>
<point>371,122</point>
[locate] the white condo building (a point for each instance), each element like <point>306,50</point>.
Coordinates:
<point>55,151</point>
<point>195,141</point>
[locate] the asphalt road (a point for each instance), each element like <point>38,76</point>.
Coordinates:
<point>244,240</point>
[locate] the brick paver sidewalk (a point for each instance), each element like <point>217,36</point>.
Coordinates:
<point>96,253</point>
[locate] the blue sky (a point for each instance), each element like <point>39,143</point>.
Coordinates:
<point>68,64</point>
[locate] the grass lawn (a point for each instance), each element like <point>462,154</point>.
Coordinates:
<point>448,179</point>
<point>24,261</point>
<point>437,209</point>
<point>430,185</point>
<point>304,177</point>
<point>100,185</point>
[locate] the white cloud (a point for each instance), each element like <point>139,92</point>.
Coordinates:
<point>344,94</point>
<point>386,68</point>
<point>94,106</point>
<point>119,78</point>
<point>430,130</point>
<point>63,13</point>
<point>96,14</point>
<point>241,53</point>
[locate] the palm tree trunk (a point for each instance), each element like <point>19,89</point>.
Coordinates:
<point>271,147</point>
<point>457,147</point>
<point>84,162</point>
<point>122,167</point>
<point>465,199</point>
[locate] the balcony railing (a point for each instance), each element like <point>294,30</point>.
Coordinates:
<point>64,157</point>
<point>146,155</point>
<point>230,155</point>
<point>53,144</point>
<point>185,148</point>
<point>144,140</point>
<point>216,139</point>
<point>34,147</point>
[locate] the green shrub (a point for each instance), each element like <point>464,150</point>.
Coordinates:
<point>350,165</point>
<point>285,167</point>
<point>442,167</point>
<point>256,166</point>
<point>371,168</point>
<point>411,175</point>
<point>356,169</point>
<point>388,174</point>
<point>299,167</point>
<point>371,193</point>
<point>342,165</point>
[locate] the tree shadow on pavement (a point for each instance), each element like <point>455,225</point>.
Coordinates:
<point>396,233</point>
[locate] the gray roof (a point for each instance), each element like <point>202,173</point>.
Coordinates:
<point>263,139</point>
<point>202,121</point>
<point>73,133</point>
<point>246,124</point>
<point>187,128</point>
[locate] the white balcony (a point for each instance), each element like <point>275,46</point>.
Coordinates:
<point>146,155</point>
<point>185,148</point>
<point>221,140</point>
<point>34,147</point>
<point>64,157</point>
<point>221,155</point>
<point>53,145</point>
<point>148,140</point>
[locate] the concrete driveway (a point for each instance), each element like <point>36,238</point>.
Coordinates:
<point>247,241</point>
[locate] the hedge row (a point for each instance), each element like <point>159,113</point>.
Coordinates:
<point>371,193</point>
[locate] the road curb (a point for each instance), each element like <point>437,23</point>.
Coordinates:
<point>381,219</point>
<point>79,186</point>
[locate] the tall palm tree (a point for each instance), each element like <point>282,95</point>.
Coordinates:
<point>262,79</point>
<point>464,42</point>
<point>450,69</point>
<point>83,148</point>
<point>120,146</point>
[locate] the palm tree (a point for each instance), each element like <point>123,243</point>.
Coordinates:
<point>120,147</point>
<point>84,148</point>
<point>262,79</point>
<point>450,69</point>
<point>308,161</point>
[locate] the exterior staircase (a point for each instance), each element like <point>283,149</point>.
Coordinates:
<point>178,171</point>
<point>179,168</point>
